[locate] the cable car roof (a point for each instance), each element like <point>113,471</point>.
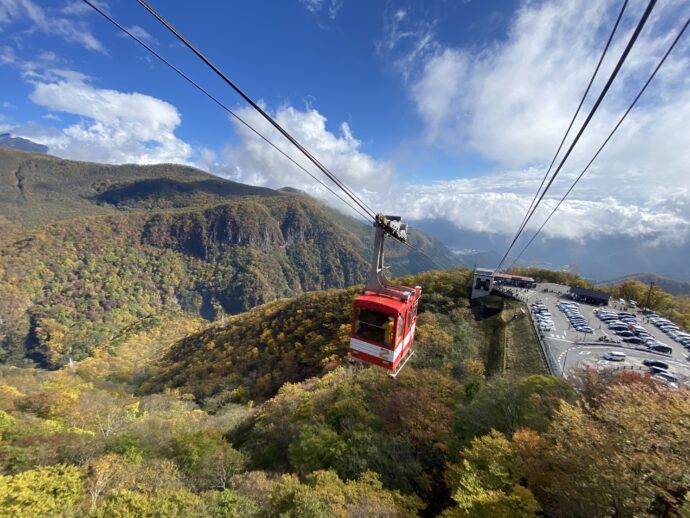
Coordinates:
<point>382,303</point>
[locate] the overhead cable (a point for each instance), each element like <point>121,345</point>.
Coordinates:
<point>603,93</point>
<point>577,111</point>
<point>687,22</point>
<point>223,106</point>
<point>260,110</point>
<point>424,254</point>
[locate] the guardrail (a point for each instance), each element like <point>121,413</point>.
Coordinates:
<point>628,368</point>
<point>552,366</point>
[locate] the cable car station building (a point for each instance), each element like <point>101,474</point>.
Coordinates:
<point>597,298</point>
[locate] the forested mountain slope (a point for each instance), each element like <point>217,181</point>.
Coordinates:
<point>88,249</point>
<point>672,286</point>
<point>443,439</point>
<point>253,354</point>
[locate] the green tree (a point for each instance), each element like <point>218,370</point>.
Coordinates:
<point>124,503</point>
<point>486,481</point>
<point>45,491</point>
<point>317,447</point>
<point>508,405</point>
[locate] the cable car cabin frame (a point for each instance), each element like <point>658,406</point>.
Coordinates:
<point>384,317</point>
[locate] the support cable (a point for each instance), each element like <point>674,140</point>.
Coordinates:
<point>579,106</point>
<point>424,254</point>
<point>260,110</point>
<point>222,105</point>
<point>603,93</point>
<point>605,141</point>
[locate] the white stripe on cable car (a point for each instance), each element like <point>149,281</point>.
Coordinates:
<point>382,352</point>
<point>371,349</point>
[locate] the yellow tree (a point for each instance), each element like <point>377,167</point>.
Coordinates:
<point>47,491</point>
<point>625,457</point>
<point>485,483</point>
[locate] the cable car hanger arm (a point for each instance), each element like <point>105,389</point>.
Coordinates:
<point>377,281</point>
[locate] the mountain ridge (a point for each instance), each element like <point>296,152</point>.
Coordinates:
<point>7,140</point>
<point>91,248</point>
<point>672,286</point>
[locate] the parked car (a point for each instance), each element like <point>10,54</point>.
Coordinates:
<point>655,363</point>
<point>666,376</point>
<point>625,334</point>
<point>614,356</point>
<point>633,340</point>
<point>667,328</point>
<point>661,348</point>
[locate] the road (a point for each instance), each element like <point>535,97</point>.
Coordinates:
<point>564,343</point>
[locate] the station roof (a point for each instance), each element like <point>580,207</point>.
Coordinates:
<point>592,294</point>
<point>512,277</point>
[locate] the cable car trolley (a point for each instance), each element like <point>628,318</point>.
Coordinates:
<point>384,316</point>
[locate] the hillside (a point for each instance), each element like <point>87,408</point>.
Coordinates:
<point>253,354</point>
<point>41,189</point>
<point>7,140</point>
<point>89,249</point>
<point>97,438</point>
<point>672,286</point>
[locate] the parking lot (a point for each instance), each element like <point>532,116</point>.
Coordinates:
<point>570,348</point>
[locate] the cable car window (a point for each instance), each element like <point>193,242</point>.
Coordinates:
<point>401,327</point>
<point>414,310</point>
<point>374,326</point>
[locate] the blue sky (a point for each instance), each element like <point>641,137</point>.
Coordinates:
<point>329,56</point>
<point>442,109</point>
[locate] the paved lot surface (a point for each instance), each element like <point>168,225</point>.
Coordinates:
<point>567,350</point>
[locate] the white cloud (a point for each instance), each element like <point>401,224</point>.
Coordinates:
<point>407,40</point>
<point>493,203</point>
<point>116,127</point>
<point>75,31</point>
<point>497,203</point>
<point>7,55</point>
<point>140,33</point>
<point>254,161</point>
<point>329,7</point>
<point>79,8</point>
<point>511,100</point>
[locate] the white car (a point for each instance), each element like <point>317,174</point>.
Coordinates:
<point>614,356</point>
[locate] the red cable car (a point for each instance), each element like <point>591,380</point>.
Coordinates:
<point>384,316</point>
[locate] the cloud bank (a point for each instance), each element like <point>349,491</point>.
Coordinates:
<point>511,101</point>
